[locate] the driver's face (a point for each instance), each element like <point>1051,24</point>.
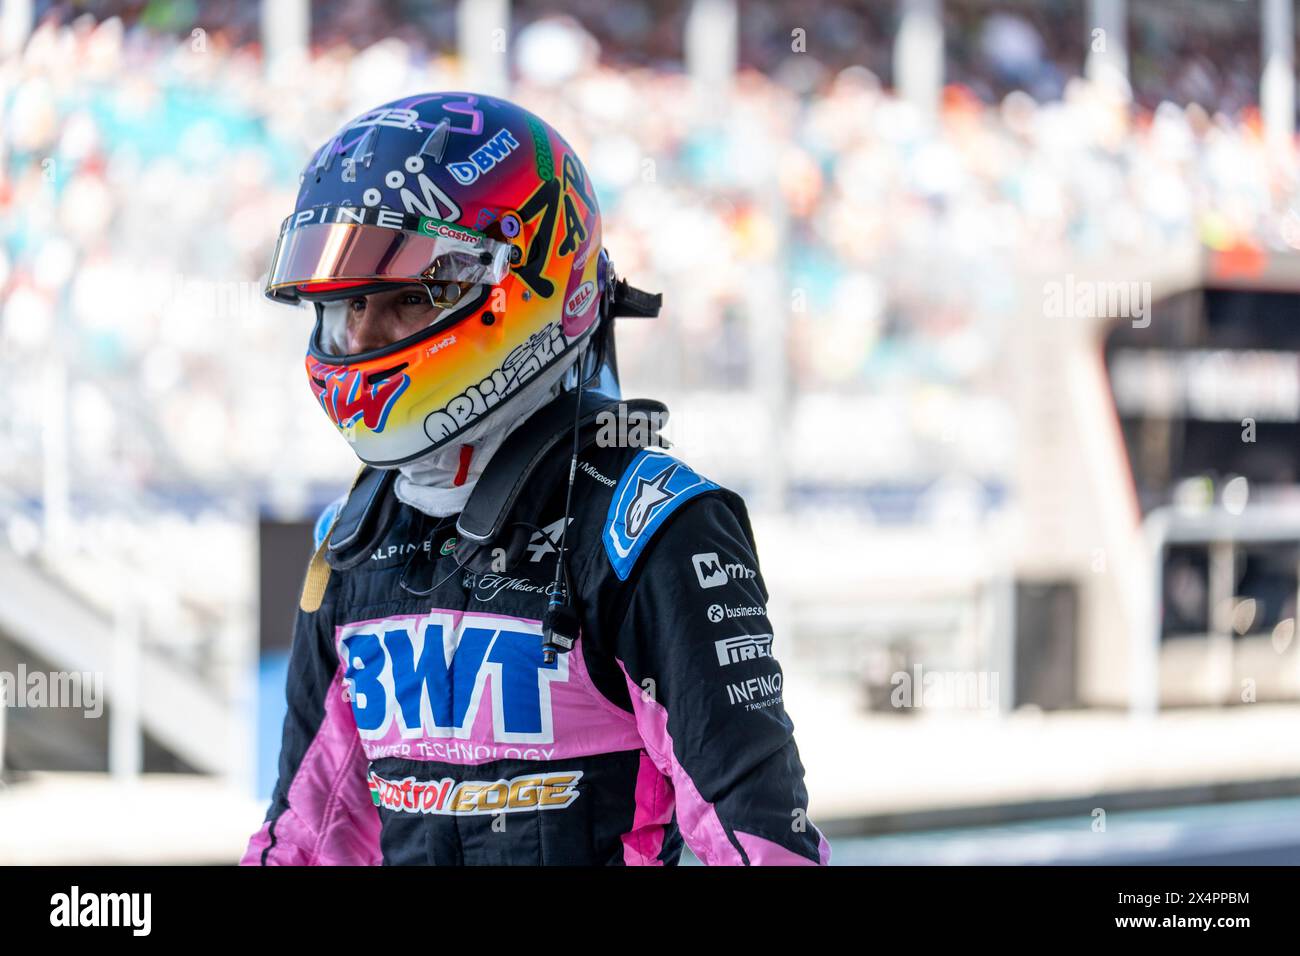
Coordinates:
<point>382,318</point>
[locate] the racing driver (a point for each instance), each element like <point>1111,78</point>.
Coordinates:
<point>528,634</point>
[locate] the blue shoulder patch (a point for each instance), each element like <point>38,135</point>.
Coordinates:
<point>326,521</point>
<point>652,487</point>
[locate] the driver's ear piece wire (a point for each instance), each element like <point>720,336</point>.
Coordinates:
<point>560,624</point>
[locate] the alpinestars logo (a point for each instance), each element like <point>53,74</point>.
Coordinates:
<point>648,495</point>
<point>712,573</point>
<point>546,541</point>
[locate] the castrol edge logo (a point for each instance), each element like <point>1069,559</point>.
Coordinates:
<point>446,797</point>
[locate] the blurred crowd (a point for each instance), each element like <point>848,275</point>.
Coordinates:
<point>147,159</point>
<point>1183,51</point>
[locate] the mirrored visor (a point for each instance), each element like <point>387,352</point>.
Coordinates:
<point>347,251</point>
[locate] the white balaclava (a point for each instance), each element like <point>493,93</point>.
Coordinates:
<point>440,483</point>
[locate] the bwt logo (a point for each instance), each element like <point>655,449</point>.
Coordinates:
<point>431,673</point>
<point>484,158</point>
<point>345,398</point>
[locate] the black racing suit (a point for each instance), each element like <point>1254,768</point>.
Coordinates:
<point>426,728</point>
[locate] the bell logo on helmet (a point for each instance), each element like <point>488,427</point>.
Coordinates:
<point>345,400</point>
<point>581,299</point>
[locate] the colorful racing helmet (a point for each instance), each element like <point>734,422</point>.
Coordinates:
<point>478,205</point>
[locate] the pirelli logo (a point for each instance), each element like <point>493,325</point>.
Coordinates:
<point>746,647</point>
<point>447,797</point>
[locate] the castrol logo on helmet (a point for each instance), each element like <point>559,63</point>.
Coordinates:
<point>581,299</point>
<point>449,230</point>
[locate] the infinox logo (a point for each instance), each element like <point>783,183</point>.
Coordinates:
<point>446,797</point>
<point>581,299</point>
